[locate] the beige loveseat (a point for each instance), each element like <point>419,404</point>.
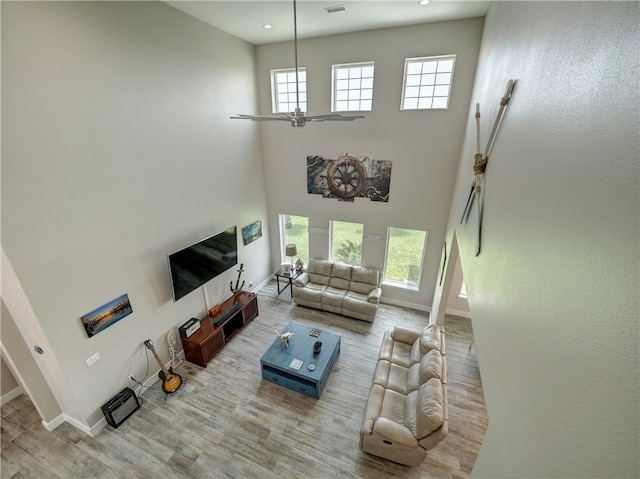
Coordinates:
<point>406,412</point>
<point>352,291</point>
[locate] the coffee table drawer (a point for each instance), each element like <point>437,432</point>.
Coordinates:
<point>289,381</point>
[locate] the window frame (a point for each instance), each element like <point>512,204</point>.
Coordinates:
<point>283,240</point>
<point>331,239</point>
<point>302,85</point>
<point>397,284</point>
<point>334,86</point>
<point>434,85</point>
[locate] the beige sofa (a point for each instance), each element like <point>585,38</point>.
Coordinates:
<point>352,291</point>
<point>406,412</point>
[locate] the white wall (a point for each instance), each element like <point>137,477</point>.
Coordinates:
<point>457,305</point>
<point>554,293</point>
<point>117,150</point>
<point>424,146</point>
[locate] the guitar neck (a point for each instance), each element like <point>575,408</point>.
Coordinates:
<point>150,347</point>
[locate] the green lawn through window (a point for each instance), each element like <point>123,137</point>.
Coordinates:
<point>405,248</point>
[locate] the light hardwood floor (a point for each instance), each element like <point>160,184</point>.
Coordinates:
<point>225,422</point>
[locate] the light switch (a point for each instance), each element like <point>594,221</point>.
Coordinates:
<point>92,360</point>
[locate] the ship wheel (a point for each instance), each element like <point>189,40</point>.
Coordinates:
<point>346,177</point>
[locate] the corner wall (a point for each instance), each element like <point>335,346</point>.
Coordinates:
<point>117,149</point>
<point>554,292</point>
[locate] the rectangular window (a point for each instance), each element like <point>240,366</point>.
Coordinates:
<point>352,87</point>
<point>283,90</point>
<point>346,242</point>
<point>427,82</point>
<point>294,230</point>
<point>405,254</point>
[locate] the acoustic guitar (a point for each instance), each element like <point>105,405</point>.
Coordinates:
<point>171,381</point>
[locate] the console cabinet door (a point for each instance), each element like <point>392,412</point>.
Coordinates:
<point>212,345</point>
<point>251,309</point>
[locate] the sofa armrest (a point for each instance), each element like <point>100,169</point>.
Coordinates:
<point>372,409</point>
<point>394,432</point>
<point>301,280</point>
<point>374,295</point>
<point>405,335</point>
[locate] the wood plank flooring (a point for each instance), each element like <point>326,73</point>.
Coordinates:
<point>225,422</point>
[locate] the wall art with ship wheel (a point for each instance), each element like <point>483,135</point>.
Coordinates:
<point>348,177</point>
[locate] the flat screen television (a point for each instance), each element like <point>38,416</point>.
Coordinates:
<point>193,266</point>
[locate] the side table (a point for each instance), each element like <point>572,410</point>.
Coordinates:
<point>288,279</point>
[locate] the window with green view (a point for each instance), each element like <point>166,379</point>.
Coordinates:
<point>405,253</point>
<point>346,242</point>
<point>295,229</point>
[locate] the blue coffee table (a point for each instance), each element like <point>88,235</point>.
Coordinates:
<point>290,367</point>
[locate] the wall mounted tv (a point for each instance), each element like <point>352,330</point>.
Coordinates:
<point>193,266</point>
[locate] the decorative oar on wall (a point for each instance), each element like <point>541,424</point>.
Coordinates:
<point>480,163</point>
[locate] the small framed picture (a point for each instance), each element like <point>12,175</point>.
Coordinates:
<point>251,232</point>
<point>101,318</point>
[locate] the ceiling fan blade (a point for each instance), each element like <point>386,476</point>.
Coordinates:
<point>332,117</point>
<point>260,118</point>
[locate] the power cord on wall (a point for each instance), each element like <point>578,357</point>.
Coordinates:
<point>143,388</point>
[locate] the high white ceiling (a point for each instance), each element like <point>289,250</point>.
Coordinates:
<point>245,19</point>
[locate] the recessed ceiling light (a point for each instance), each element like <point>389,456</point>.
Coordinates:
<point>424,2</point>
<point>267,26</point>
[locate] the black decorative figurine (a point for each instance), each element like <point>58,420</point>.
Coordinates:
<point>236,290</point>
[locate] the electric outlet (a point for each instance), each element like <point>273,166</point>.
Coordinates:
<point>250,284</point>
<point>131,378</point>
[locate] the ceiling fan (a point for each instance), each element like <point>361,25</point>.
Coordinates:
<point>297,117</point>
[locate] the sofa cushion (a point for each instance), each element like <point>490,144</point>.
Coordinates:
<point>310,292</point>
<point>340,276</point>
<point>413,378</point>
<point>356,305</point>
<point>429,339</point>
<point>430,366</point>
<point>394,351</point>
<point>363,280</point>
<point>332,299</point>
<point>398,378</point>
<point>429,408</point>
<point>400,354</point>
<point>393,406</point>
<point>319,271</point>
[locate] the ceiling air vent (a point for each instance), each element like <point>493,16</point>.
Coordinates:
<point>336,8</point>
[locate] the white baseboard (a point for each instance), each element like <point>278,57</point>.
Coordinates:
<point>14,393</point>
<point>261,285</point>
<point>458,312</point>
<point>57,421</point>
<point>406,304</point>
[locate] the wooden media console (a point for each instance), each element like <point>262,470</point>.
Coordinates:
<point>215,331</point>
